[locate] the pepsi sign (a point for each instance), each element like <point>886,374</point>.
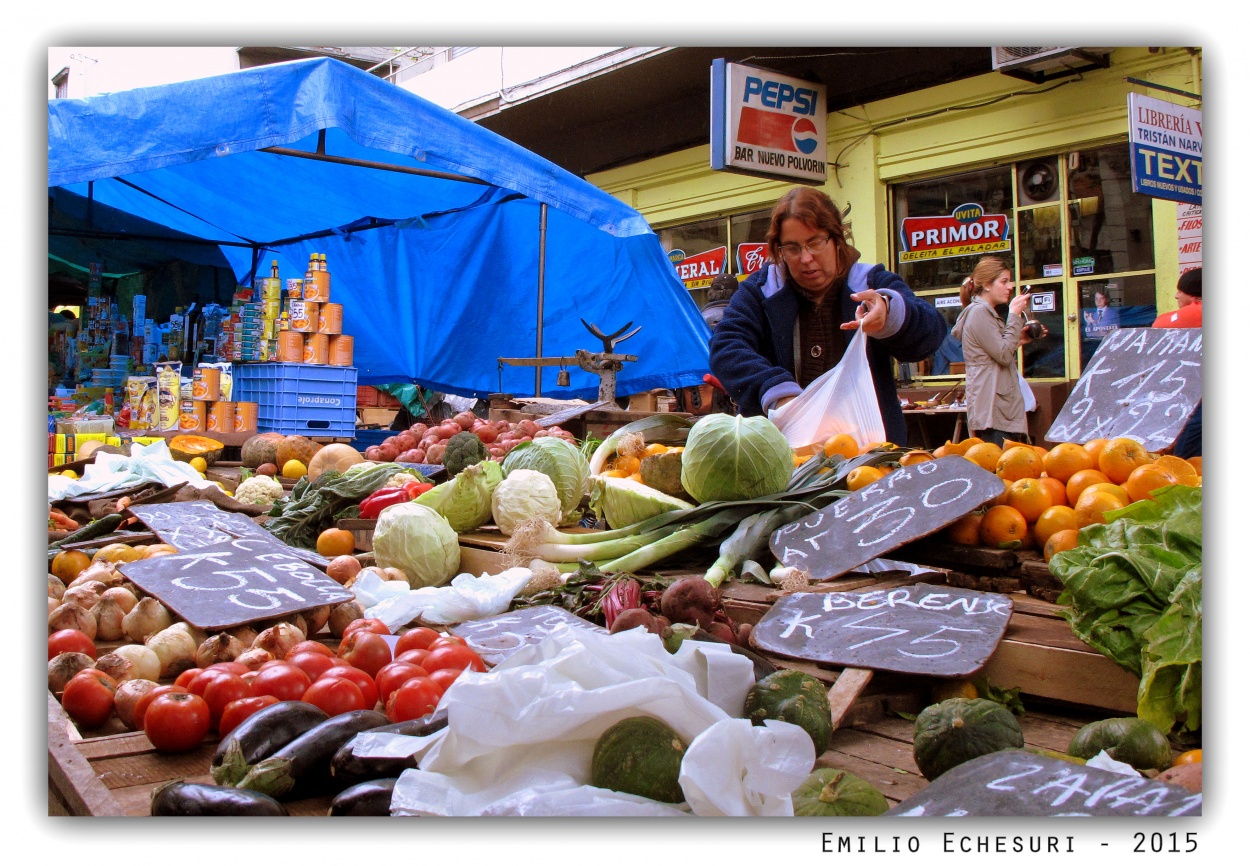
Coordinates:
<point>768,125</point>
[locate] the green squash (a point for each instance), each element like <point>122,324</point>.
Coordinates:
<point>1131,740</point>
<point>830,793</point>
<point>960,729</point>
<point>795,697</point>
<point>639,755</point>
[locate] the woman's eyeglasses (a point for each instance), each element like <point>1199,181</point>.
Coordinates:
<point>791,252</point>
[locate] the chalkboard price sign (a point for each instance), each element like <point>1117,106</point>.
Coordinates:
<point>1020,784</point>
<point>939,631</point>
<point>235,581</point>
<point>199,523</point>
<point>909,503</point>
<point>1142,383</point>
<point>495,638</point>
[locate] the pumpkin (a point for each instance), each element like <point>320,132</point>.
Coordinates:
<point>261,449</point>
<point>186,448</point>
<point>336,457</point>
<point>639,755</point>
<point>299,448</point>
<point>960,729</point>
<point>795,697</point>
<point>832,793</point>
<point>1186,775</point>
<point>1131,740</point>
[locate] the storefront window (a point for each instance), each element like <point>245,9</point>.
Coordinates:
<point>701,250</point>
<point>1111,304</point>
<point>1110,226</point>
<point>1041,243</point>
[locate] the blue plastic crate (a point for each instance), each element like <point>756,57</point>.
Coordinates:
<point>365,438</point>
<point>308,399</point>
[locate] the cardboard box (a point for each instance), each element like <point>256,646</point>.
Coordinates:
<point>644,402</point>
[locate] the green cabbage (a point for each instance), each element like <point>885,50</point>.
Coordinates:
<point>419,541</point>
<point>730,458</point>
<point>523,494</point>
<point>465,499</point>
<point>560,461</point>
<point>624,502</point>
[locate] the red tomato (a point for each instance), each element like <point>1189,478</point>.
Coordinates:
<point>201,680</point>
<point>413,657</point>
<point>416,638</point>
<point>229,667</point>
<point>88,698</point>
<point>146,701</point>
<point>453,656</point>
<point>363,681</point>
<point>69,640</point>
<point>273,663</point>
<point>374,625</point>
<point>177,722</point>
<point>236,711</point>
<point>184,678</point>
<point>416,698</point>
<point>444,677</point>
<point>223,690</point>
<point>335,695</point>
<point>444,639</point>
<point>395,675</point>
<point>248,677</point>
<point>285,682</point>
<point>311,663</point>
<point>366,650</point>
<point>310,646</point>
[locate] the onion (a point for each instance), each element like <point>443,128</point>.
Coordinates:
<point>392,573</point>
<point>101,571</point>
<point>174,647</point>
<point>147,665</point>
<point>70,615</point>
<point>317,619</point>
<point>245,633</point>
<point>84,594</point>
<point>124,598</point>
<point>119,667</point>
<point>343,615</point>
<point>126,698</point>
<point>53,604</point>
<point>146,618</point>
<point>56,587</point>
<point>108,619</point>
<point>218,648</point>
<point>254,658</point>
<point>343,568</point>
<point>62,669</point>
<point>197,635</point>
<point>278,639</point>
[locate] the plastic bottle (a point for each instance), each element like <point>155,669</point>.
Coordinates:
<point>174,351</point>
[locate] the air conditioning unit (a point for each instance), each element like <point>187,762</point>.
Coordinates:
<point>1042,64</point>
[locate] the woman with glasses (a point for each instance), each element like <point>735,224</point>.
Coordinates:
<point>788,323</point>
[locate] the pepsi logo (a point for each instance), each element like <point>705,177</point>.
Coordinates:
<point>804,135</point>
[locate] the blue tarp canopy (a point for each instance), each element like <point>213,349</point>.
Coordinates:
<point>438,277</point>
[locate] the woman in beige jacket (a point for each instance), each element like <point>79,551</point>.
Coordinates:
<point>995,404</point>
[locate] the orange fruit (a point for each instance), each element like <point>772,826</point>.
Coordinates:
<point>1002,498</point>
<point>1176,467</point>
<point>1058,490</point>
<point>942,451</point>
<point>1115,490</point>
<point>1066,459</point>
<point>965,530</point>
<point>1064,539</point>
<point>1193,756</point>
<point>970,441</point>
<point>68,563</point>
<point>1055,519</point>
<point>155,550</point>
<point>1003,527</point>
<point>335,542</point>
<point>1082,479</point>
<point>1093,505</point>
<point>862,476</point>
<point>1019,462</point>
<point>117,552</point>
<point>1120,457</point>
<point>1195,462</point>
<point>954,448</point>
<point>1095,446</point>
<point>1030,497</point>
<point>913,457</point>
<point>1146,479</point>
<point>985,455</point>
<point>843,444</point>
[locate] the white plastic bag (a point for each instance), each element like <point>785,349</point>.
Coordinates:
<point>1030,402</point>
<point>842,400</point>
<point>465,598</point>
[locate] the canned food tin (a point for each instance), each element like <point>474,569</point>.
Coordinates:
<point>330,319</point>
<point>206,383</point>
<point>318,288</point>
<point>317,349</point>
<point>291,347</point>
<point>191,416</point>
<point>341,350</point>
<point>221,417</point>
<point>245,414</point>
<point>304,316</point>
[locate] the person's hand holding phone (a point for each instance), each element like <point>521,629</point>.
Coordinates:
<point>1020,302</point>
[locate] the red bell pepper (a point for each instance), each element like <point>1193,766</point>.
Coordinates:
<point>416,488</point>
<point>373,504</point>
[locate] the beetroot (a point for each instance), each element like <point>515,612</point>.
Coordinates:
<point>632,618</point>
<point>691,600</point>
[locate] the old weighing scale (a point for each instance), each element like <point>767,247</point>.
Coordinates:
<point>605,364</point>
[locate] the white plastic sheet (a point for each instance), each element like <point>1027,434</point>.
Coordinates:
<point>842,400</point>
<point>151,462</point>
<point>465,598</point>
<point>519,739</point>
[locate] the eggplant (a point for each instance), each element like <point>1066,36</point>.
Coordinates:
<point>371,799</point>
<point>349,769</point>
<point>301,768</point>
<point>259,736</point>
<point>179,798</point>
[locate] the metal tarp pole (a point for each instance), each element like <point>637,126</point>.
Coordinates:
<point>542,268</point>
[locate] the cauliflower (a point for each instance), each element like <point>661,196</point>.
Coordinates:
<point>259,490</point>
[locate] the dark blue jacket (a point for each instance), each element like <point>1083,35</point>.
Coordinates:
<point>752,349</point>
